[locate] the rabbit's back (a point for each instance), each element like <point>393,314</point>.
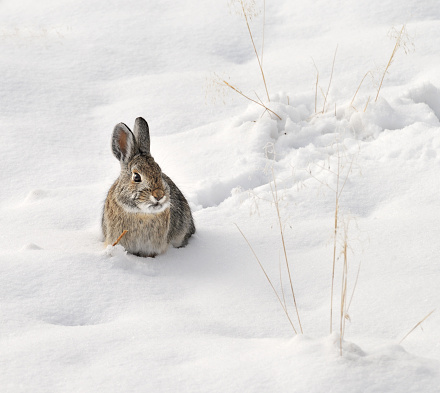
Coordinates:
<point>181,220</point>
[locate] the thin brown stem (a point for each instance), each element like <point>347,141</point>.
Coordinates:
<point>335,242</point>
<point>415,327</point>
<point>330,82</point>
<point>346,177</point>
<point>316,84</point>
<point>396,47</point>
<point>250,99</point>
<point>321,182</point>
<point>120,237</point>
<point>343,296</point>
<point>354,287</point>
<point>276,202</point>
<point>360,84</point>
<point>366,105</point>
<point>259,99</point>
<point>268,279</point>
<point>255,49</point>
<point>281,282</point>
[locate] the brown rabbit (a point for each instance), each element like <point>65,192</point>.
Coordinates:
<point>143,200</point>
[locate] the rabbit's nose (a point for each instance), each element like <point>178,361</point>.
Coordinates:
<point>158,194</point>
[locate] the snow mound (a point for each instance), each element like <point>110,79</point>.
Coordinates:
<point>31,247</point>
<point>427,94</point>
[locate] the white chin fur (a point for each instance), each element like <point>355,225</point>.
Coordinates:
<point>151,209</point>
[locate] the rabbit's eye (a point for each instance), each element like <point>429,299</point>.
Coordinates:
<point>136,177</point>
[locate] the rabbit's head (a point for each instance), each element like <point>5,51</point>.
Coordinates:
<point>140,187</point>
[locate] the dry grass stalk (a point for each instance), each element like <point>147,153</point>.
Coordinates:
<point>344,166</point>
<point>338,192</point>
<point>276,202</point>
<point>255,49</point>
<point>268,279</point>
<point>341,180</point>
<point>281,281</point>
<point>335,237</point>
<point>225,83</point>
<point>316,84</point>
<point>120,237</point>
<point>355,94</point>
<point>330,82</point>
<point>344,308</point>
<point>354,288</point>
<point>281,299</point>
<point>366,105</point>
<point>399,39</point>
<point>418,324</point>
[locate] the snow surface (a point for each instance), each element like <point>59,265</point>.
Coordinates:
<point>76,317</point>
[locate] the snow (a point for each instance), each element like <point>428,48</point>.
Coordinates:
<point>79,317</point>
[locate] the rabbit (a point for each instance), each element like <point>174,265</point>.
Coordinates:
<point>143,200</point>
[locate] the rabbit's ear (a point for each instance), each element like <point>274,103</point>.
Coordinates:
<point>123,143</point>
<point>142,135</point>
